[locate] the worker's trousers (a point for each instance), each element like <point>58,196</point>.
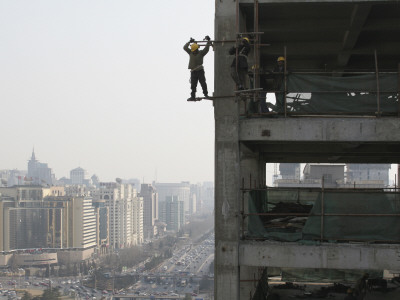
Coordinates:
<point>196,76</point>
<point>280,102</point>
<point>239,77</point>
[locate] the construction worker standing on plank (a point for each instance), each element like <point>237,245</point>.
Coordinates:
<point>278,75</point>
<point>279,78</point>
<point>196,66</point>
<point>239,72</point>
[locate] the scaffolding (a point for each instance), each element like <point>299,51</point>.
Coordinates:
<point>294,101</point>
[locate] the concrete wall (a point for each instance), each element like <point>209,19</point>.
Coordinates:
<point>4,259</point>
<point>25,259</point>
<point>322,256</point>
<point>74,256</point>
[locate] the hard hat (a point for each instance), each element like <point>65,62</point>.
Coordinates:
<point>247,39</point>
<point>280,58</point>
<point>194,47</point>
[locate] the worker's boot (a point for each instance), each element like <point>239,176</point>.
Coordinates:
<point>192,96</point>
<point>205,92</point>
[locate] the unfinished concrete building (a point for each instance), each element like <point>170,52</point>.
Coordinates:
<point>341,105</point>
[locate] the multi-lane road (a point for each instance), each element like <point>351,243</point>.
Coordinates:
<point>179,275</point>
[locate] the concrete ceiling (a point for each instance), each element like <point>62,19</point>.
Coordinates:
<point>327,35</point>
<point>328,152</point>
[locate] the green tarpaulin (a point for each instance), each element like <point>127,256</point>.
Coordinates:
<point>346,94</point>
<point>342,224</point>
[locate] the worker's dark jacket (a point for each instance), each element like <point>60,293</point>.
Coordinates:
<point>196,58</point>
<point>279,77</point>
<point>243,52</point>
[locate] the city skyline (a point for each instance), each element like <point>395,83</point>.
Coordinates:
<point>88,173</point>
<point>97,85</point>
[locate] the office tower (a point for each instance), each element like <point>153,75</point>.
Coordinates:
<point>137,220</point>
<point>39,173</point>
<point>38,217</point>
<point>119,202</point>
<point>150,209</point>
<point>182,190</point>
<point>172,213</point>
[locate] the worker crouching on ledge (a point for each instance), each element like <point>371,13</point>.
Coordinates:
<point>196,66</point>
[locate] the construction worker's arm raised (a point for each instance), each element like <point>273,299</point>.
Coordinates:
<point>186,47</point>
<point>206,48</point>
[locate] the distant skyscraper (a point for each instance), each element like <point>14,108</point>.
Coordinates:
<point>172,213</point>
<point>207,194</point>
<point>78,176</point>
<point>137,220</point>
<point>102,216</point>
<point>95,180</point>
<point>195,199</point>
<point>365,172</point>
<point>289,171</point>
<point>150,209</point>
<point>39,173</point>
<point>39,217</point>
<point>125,213</point>
<point>182,190</point>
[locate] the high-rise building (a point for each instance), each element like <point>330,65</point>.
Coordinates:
<point>101,212</point>
<point>195,199</point>
<point>290,171</point>
<point>95,180</point>
<point>207,195</point>
<point>326,174</point>
<point>119,200</point>
<point>150,209</point>
<point>367,172</point>
<point>84,222</point>
<point>137,219</point>
<point>182,190</point>
<point>39,173</point>
<point>38,217</point>
<point>79,176</point>
<point>172,213</point>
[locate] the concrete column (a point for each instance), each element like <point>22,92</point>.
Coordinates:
<point>252,172</point>
<point>227,181</point>
<point>235,165</point>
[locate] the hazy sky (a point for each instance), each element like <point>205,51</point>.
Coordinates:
<point>103,85</point>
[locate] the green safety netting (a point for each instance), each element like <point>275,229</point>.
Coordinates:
<point>347,94</point>
<point>307,229</point>
<point>370,228</point>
